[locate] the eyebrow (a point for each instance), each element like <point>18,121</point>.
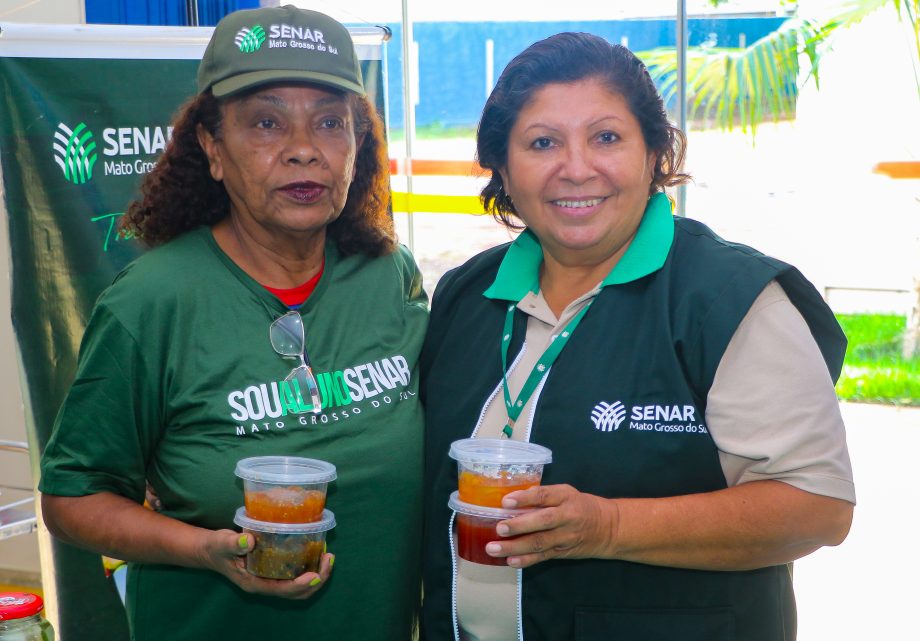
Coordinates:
<point>278,101</point>
<point>593,123</point>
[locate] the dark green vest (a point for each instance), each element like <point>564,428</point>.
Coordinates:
<point>623,410</point>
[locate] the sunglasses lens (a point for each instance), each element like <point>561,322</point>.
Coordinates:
<point>306,382</point>
<point>286,334</point>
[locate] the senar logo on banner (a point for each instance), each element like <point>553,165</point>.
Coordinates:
<point>75,150</point>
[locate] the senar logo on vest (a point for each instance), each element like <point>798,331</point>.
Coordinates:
<point>669,419</point>
<point>607,417</point>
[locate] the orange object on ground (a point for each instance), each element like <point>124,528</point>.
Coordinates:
<point>899,168</point>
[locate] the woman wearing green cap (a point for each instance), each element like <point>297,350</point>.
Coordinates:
<point>268,209</point>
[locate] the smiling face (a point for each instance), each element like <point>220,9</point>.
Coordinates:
<point>578,171</point>
<point>286,156</point>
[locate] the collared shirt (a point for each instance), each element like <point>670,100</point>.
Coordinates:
<point>772,332</point>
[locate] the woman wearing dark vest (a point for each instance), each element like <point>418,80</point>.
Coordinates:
<point>697,442</point>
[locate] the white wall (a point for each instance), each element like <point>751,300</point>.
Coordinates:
<point>19,558</point>
<point>57,11</point>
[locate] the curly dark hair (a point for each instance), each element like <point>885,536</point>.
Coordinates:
<point>179,194</point>
<point>566,58</point>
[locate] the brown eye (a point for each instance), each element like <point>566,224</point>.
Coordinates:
<point>332,123</point>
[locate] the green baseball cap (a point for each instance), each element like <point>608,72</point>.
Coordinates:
<point>254,47</point>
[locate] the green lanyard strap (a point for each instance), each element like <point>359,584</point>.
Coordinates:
<point>557,343</point>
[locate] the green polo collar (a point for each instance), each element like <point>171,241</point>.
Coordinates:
<point>519,272</point>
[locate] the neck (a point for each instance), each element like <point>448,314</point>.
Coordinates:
<point>280,264</point>
<point>562,282</point>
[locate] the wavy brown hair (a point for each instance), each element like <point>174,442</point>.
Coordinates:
<point>179,194</point>
<point>566,58</point>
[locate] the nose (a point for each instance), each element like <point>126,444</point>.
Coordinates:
<point>301,148</point>
<point>577,165</point>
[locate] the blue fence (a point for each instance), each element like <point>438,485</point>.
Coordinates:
<point>452,62</point>
<point>452,56</point>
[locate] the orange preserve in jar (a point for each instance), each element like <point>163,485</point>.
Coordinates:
<point>285,504</point>
<point>489,468</point>
<point>489,491</point>
<point>285,489</point>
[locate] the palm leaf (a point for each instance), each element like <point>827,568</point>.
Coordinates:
<point>744,87</point>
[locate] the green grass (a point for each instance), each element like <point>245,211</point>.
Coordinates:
<point>874,370</point>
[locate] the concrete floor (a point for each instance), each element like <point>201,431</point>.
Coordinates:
<point>866,588</point>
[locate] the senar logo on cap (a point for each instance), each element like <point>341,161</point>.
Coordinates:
<point>280,44</point>
<point>249,40</point>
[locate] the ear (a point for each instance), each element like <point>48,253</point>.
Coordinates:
<point>210,147</point>
<point>503,172</point>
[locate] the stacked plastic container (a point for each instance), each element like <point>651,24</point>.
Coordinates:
<point>284,510</point>
<point>487,470</point>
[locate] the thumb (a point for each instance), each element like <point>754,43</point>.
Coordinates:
<point>242,544</point>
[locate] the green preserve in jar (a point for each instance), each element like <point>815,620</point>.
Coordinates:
<point>21,619</point>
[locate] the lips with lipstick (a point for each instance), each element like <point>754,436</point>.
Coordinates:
<point>305,192</point>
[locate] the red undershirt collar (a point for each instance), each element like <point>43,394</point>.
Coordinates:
<point>297,296</point>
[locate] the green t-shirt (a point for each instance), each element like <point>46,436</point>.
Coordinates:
<point>177,380</point>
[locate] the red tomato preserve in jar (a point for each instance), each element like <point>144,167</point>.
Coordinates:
<point>476,527</point>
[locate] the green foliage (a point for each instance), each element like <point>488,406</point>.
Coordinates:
<point>874,370</point>
<point>744,87</point>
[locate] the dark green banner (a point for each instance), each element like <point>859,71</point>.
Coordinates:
<point>77,136</point>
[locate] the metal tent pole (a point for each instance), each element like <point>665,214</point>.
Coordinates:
<point>408,113</point>
<point>681,26</point>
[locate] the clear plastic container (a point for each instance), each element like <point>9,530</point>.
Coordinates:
<point>285,489</point>
<point>285,550</point>
<point>490,468</point>
<point>476,527</point>
<point>21,619</point>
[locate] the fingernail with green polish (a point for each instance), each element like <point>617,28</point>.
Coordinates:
<point>315,582</point>
<point>331,561</point>
<point>243,542</point>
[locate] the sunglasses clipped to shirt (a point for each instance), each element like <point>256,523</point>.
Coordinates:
<point>288,340</point>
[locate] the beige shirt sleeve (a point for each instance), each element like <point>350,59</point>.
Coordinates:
<point>772,410</point>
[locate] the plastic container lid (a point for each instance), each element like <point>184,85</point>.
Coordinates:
<point>18,605</point>
<point>500,451</point>
<point>497,513</point>
<point>326,522</point>
<point>285,469</point>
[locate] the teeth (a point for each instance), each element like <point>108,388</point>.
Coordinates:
<point>578,203</point>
